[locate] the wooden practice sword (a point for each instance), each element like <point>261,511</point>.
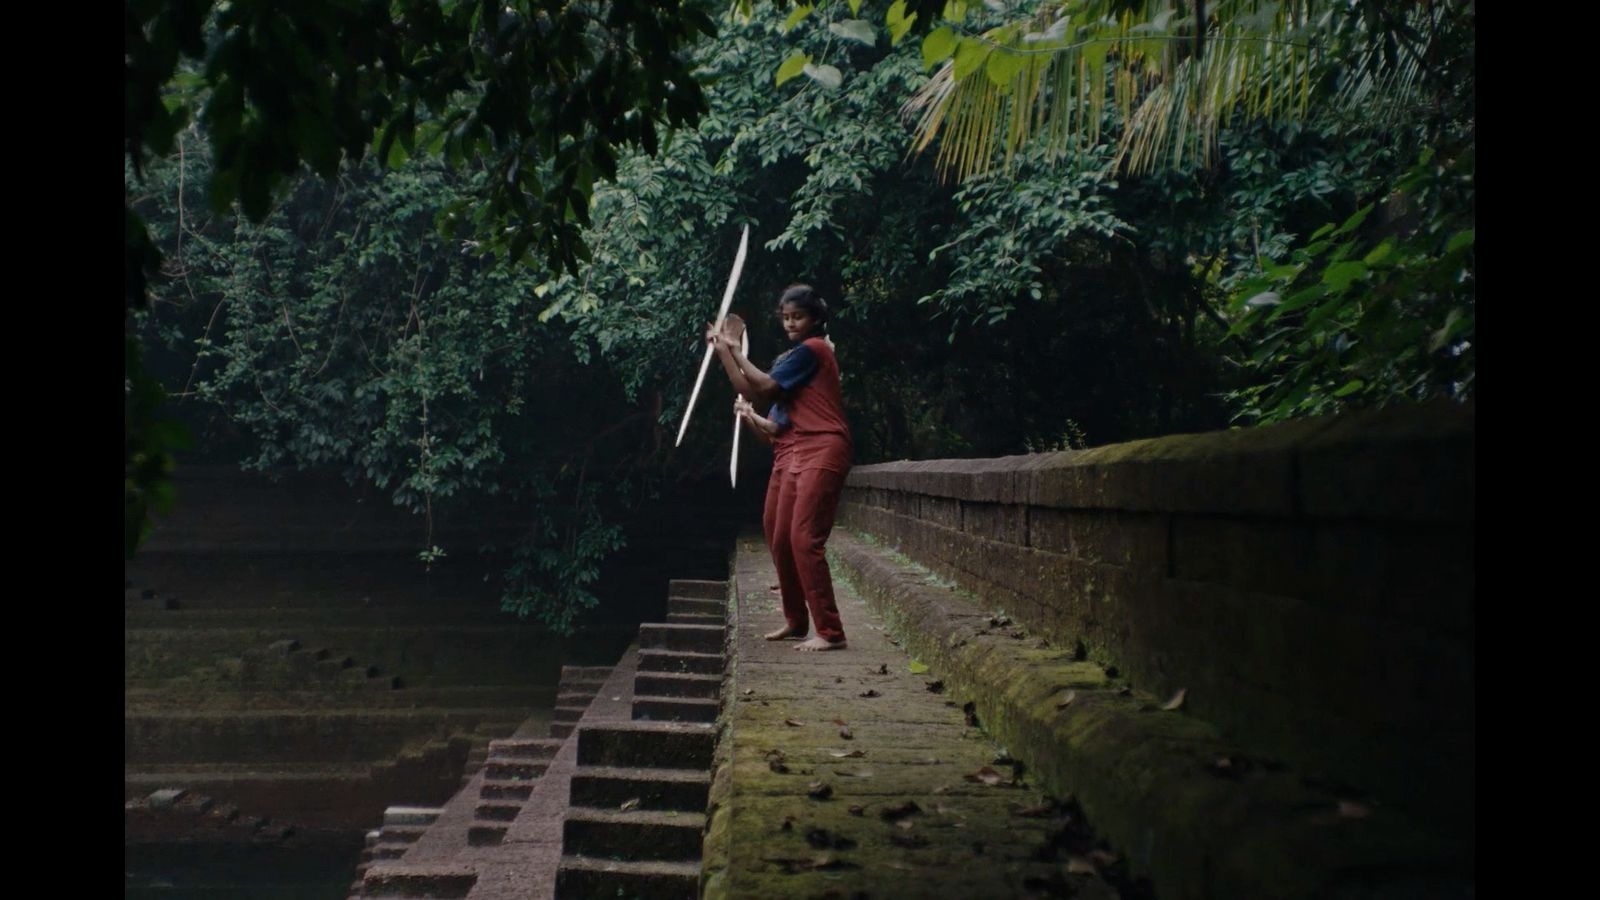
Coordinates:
<point>727,300</point>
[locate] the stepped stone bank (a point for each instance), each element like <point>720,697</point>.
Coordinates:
<point>1227,665</point>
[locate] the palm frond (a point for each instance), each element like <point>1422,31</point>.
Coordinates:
<point>1262,60</point>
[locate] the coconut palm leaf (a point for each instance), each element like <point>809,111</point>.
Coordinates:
<point>1176,73</point>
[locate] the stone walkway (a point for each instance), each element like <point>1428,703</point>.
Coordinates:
<point>853,774</point>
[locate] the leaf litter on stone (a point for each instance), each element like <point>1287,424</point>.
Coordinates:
<point>846,733</point>
<point>869,693</point>
<point>793,723</point>
<point>847,754</point>
<point>986,775</point>
<point>819,790</point>
<point>900,811</point>
<point>629,804</point>
<point>1176,701</point>
<point>1066,699</point>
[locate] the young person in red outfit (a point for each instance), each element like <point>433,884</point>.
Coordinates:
<point>811,456</point>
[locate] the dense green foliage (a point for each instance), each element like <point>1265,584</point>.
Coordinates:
<point>1045,306</point>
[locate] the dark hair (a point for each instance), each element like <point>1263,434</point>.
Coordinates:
<point>806,297</point>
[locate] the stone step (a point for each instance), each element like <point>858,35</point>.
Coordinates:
<point>664,745</point>
<point>596,674</point>
<point>442,881</point>
<point>401,834</point>
<point>675,709</point>
<point>677,684</point>
<point>389,851</point>
<point>574,698</point>
<point>718,607</point>
<point>695,619</point>
<point>602,787</point>
<point>637,834</point>
<point>567,713</point>
<point>679,661</point>
<point>691,638</point>
<point>486,834</point>
<point>514,770</point>
<point>562,730</point>
<point>411,815</point>
<point>497,789</point>
<point>523,748</point>
<point>371,837</point>
<point>580,876</point>
<point>700,590</point>
<point>497,812</point>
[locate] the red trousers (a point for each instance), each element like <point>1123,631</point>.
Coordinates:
<point>797,520</point>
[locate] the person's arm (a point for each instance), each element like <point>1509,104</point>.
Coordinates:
<point>765,429</point>
<point>751,383</point>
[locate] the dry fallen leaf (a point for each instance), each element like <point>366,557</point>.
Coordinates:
<point>846,733</point>
<point>629,804</point>
<point>749,691</point>
<point>1124,690</point>
<point>905,824</point>
<point>1081,865</point>
<point>870,693</point>
<point>895,813</point>
<point>883,669</point>
<point>793,723</point>
<point>1031,812</point>
<point>851,754</point>
<point>858,810</point>
<point>935,687</point>
<point>1350,809</point>
<point>838,722</point>
<point>1066,699</point>
<point>1177,699</point>
<point>819,790</point>
<point>860,773</point>
<point>985,775</point>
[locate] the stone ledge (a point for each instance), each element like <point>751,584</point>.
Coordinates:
<point>1144,777</point>
<point>1411,463</point>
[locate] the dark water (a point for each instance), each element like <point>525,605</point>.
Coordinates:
<point>213,871</point>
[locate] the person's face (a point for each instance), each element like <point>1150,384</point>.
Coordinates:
<point>797,322</point>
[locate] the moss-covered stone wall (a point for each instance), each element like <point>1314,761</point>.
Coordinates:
<point>1309,584</point>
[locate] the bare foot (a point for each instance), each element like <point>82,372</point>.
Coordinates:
<point>776,589</point>
<point>818,643</point>
<point>785,632</point>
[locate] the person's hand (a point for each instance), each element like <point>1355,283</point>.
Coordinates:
<point>742,408</point>
<point>733,329</point>
<point>714,336</point>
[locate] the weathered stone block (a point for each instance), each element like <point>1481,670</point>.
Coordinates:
<point>1415,463</point>
<point>996,522</point>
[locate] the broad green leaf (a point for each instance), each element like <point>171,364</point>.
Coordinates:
<point>827,76</point>
<point>899,23</point>
<point>1458,240</point>
<point>969,56</point>
<point>1339,275</point>
<point>955,10</point>
<point>1379,253</point>
<point>795,16</point>
<point>1321,232</point>
<point>938,45</point>
<point>1350,388</point>
<point>1355,220</point>
<point>1003,66</point>
<point>855,30</point>
<point>855,7</point>
<point>918,668</point>
<point>1265,298</point>
<point>794,65</point>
